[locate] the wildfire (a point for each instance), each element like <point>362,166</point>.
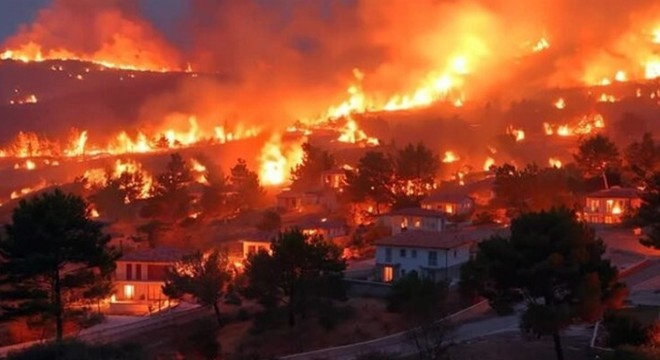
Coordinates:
<point>541,45</point>
<point>607,98</point>
<point>554,162</point>
<point>33,52</point>
<point>276,163</point>
<point>28,165</point>
<point>30,99</point>
<point>450,157</point>
<point>560,103</point>
<point>27,190</point>
<point>200,171</point>
<point>517,134</point>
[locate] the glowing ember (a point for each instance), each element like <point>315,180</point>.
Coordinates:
<point>541,45</point>
<point>621,76</point>
<point>450,157</point>
<point>28,190</point>
<point>560,103</point>
<point>607,98</point>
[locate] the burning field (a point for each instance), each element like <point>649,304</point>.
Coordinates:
<point>92,89</point>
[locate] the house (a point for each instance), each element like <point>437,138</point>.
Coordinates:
<point>449,202</point>
<point>328,229</point>
<point>334,179</point>
<point>414,219</point>
<point>139,278</point>
<point>610,206</point>
<point>291,200</point>
<point>432,254</point>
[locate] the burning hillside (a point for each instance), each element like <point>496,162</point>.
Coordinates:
<point>476,80</point>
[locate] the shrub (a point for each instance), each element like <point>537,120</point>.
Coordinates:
<point>330,314</point>
<point>625,330</point>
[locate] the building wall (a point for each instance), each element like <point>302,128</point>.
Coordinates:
<point>399,222</point>
<point>608,211</point>
<point>407,259</point>
<point>139,281</point>
<point>451,207</point>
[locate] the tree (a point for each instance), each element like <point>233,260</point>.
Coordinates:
<point>307,174</point>
<point>552,262</point>
<point>416,169</point>
<point>215,195</point>
<point>205,277</point>
<point>373,179</point>
<point>175,178</point>
<point>248,193</point>
<point>299,268</point>
<point>642,160</point>
<point>648,216</point>
<point>596,155</point>
<point>52,255</point>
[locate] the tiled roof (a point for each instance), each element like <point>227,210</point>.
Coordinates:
<point>158,255</point>
<point>616,192</point>
<point>448,239</point>
<point>455,193</point>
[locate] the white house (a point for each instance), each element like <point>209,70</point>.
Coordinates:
<point>139,278</point>
<point>433,254</point>
<point>414,219</point>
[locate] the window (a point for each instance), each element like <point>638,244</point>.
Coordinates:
<point>388,274</point>
<point>433,258</point>
<point>129,271</point>
<point>129,291</point>
<point>413,253</point>
<point>388,255</point>
<point>454,253</point>
<point>402,253</point>
<point>138,271</point>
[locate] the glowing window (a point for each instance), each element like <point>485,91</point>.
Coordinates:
<point>129,291</point>
<point>388,274</point>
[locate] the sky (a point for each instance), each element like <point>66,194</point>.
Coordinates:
<point>162,13</point>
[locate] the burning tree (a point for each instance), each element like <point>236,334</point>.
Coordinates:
<point>373,179</point>
<point>53,255</point>
<point>552,262</point>
<point>416,169</point>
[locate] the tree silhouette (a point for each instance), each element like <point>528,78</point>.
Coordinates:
<point>596,155</point>
<point>52,255</point>
<point>552,262</point>
<point>373,180</point>
<point>298,268</point>
<point>642,160</point>
<point>204,277</point>
<point>307,175</point>
<point>648,216</point>
<point>247,193</point>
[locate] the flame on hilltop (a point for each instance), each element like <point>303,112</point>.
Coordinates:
<point>351,133</point>
<point>554,162</point>
<point>517,134</point>
<point>488,163</point>
<point>27,190</point>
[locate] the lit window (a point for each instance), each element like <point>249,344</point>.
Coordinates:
<point>388,273</point>
<point>129,291</point>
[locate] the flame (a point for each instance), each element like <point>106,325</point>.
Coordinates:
<point>560,103</point>
<point>28,165</point>
<point>27,190</point>
<point>554,162</point>
<point>616,210</point>
<point>621,76</point>
<point>199,170</point>
<point>517,134</point>
<point>541,45</point>
<point>351,133</point>
<point>450,157</point>
<point>93,213</point>
<point>547,128</point>
<point>105,57</point>
<point>607,98</point>
<point>97,178</point>
<point>275,163</point>
<point>488,163</point>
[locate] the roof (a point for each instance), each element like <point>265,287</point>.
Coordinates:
<point>455,193</point>
<point>157,255</point>
<point>318,223</point>
<point>417,212</point>
<point>448,239</point>
<point>615,192</point>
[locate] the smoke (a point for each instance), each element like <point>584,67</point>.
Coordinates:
<point>283,60</point>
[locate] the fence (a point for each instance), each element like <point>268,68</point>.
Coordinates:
<point>399,343</point>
